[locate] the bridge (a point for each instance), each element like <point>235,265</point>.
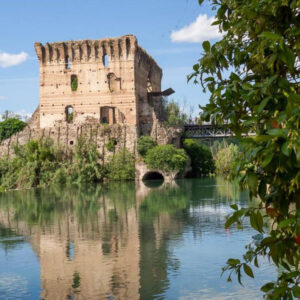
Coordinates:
<point>208,131</point>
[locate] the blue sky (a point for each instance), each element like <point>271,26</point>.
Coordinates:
<point>171,31</point>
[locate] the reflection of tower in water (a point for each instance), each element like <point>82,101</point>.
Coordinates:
<point>91,246</point>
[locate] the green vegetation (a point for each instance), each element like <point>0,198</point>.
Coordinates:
<point>74,83</point>
<point>252,73</point>
<point>166,158</point>
<point>9,127</point>
<point>226,159</point>
<point>110,146</point>
<point>173,113</point>
<point>144,144</point>
<point>70,117</point>
<point>202,162</point>
<point>121,166</point>
<point>41,163</point>
<point>85,167</point>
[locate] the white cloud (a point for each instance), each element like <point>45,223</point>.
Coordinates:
<point>198,31</point>
<point>1,98</point>
<point>8,60</point>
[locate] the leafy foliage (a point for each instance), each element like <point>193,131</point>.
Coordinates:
<point>85,167</point>
<point>41,163</point>
<point>144,144</point>
<point>121,166</point>
<point>226,160</point>
<point>252,74</point>
<point>166,158</point>
<point>70,117</point>
<point>110,146</point>
<point>201,158</point>
<point>173,114</point>
<point>74,83</point>
<point>9,127</point>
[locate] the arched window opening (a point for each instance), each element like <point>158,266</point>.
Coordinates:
<point>149,83</point>
<point>69,114</point>
<point>127,47</point>
<point>67,61</point>
<point>70,250</point>
<point>114,83</point>
<point>107,115</point>
<point>112,52</point>
<point>74,83</point>
<point>105,60</point>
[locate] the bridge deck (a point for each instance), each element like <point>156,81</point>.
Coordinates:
<point>207,131</point>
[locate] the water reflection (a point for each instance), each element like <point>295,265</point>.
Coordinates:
<point>118,240</point>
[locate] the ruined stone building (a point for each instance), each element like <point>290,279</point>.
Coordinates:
<point>103,81</point>
<point>85,85</point>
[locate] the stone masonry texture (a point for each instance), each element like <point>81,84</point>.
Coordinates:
<point>98,89</point>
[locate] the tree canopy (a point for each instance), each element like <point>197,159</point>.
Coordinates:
<point>252,74</point>
<point>9,127</point>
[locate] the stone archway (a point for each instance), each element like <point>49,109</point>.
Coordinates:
<point>153,175</point>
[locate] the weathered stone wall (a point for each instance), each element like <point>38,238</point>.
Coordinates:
<point>67,136</point>
<point>115,77</point>
<point>163,134</point>
<point>110,73</point>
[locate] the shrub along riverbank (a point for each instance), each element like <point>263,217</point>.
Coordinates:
<point>42,163</point>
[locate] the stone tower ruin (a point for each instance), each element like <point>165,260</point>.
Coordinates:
<point>107,81</point>
<point>108,90</point>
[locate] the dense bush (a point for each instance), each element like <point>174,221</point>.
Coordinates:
<point>41,163</point>
<point>9,127</point>
<point>121,166</point>
<point>144,144</point>
<point>202,162</point>
<point>166,158</point>
<point>34,164</point>
<point>85,166</point>
<point>226,160</point>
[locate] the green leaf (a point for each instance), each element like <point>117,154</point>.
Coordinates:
<point>284,149</point>
<point>196,67</point>
<point>206,46</point>
<point>270,35</point>
<point>234,206</point>
<point>253,221</point>
<point>230,221</point>
<point>288,57</point>
<point>247,86</point>
<point>277,132</point>
<point>233,262</point>
<point>267,159</point>
<point>267,287</point>
<point>248,270</point>
<point>260,221</point>
<point>256,262</point>
<point>252,182</point>
<point>263,104</point>
<point>296,291</point>
<point>286,223</point>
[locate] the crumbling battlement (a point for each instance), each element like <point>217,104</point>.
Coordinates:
<point>120,48</point>
<point>108,80</point>
<point>100,90</point>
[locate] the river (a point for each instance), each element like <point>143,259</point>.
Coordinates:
<point>124,241</point>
